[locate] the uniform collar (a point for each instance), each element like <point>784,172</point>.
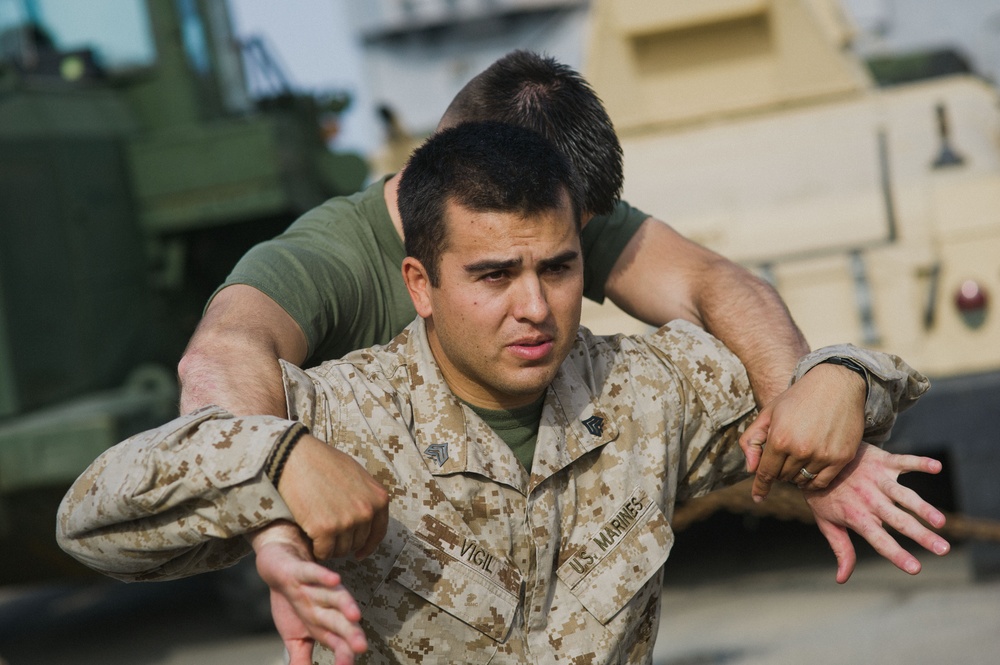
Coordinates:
<point>574,422</point>
<point>453,439</point>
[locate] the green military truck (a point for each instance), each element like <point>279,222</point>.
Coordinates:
<point>135,169</point>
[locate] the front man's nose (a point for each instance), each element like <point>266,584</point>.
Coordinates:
<point>531,302</point>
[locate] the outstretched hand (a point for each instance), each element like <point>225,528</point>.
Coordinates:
<point>308,602</point>
<point>816,425</point>
<point>865,498</point>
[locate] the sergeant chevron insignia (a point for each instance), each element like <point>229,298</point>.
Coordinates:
<point>594,425</point>
<point>437,452</point>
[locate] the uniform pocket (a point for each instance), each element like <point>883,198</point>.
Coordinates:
<point>456,587</point>
<point>615,561</point>
<point>445,597</point>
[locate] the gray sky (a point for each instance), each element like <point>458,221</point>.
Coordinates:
<point>313,42</point>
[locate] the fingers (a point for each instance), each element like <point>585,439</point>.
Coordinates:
<point>909,500</point>
<point>909,526</point>
<point>819,471</point>
<point>330,625</point>
<point>765,461</point>
<point>338,599</point>
<point>777,465</point>
<point>825,476</point>
<point>340,543</point>
<point>887,546</point>
<point>910,463</point>
<point>325,545</point>
<point>752,441</point>
<point>767,473</point>
<point>343,653</point>
<point>364,534</point>
<point>314,574</point>
<point>343,543</point>
<point>868,499</point>
<point>379,527</point>
<point>332,617</point>
<point>345,642</point>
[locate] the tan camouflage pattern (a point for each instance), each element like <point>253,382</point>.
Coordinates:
<point>169,502</point>
<point>482,562</point>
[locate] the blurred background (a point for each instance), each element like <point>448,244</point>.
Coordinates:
<point>846,151</point>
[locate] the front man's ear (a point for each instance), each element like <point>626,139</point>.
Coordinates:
<point>419,285</point>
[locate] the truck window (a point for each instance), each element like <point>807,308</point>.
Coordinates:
<point>116,32</point>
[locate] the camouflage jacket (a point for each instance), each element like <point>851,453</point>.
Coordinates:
<point>482,562</point>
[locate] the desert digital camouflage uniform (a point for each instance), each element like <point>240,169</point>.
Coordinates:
<point>482,562</point>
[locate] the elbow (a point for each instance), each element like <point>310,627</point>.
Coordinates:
<point>82,535</point>
<point>104,554</point>
<point>197,361</point>
<point>201,373</point>
<point>82,546</point>
<point>188,368</point>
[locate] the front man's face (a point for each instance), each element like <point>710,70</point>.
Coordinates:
<point>507,306</point>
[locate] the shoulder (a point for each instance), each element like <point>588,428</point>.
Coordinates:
<point>623,216</point>
<point>346,211</point>
<point>678,356</point>
<point>374,373</point>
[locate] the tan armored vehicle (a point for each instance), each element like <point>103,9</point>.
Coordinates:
<point>750,127</point>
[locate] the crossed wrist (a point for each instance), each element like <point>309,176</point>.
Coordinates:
<point>278,458</point>
<point>854,366</point>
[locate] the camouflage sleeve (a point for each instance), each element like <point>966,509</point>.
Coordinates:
<point>894,386</point>
<point>170,502</point>
<point>716,406</point>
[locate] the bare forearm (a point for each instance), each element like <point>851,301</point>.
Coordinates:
<point>240,378</point>
<point>750,318</point>
<point>232,359</point>
<point>663,276</point>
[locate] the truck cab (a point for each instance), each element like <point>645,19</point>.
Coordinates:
<point>135,169</point>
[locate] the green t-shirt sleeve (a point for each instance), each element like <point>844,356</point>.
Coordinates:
<point>604,239</point>
<point>336,271</point>
<point>314,281</point>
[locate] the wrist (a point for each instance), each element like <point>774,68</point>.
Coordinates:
<point>278,459</point>
<point>281,533</point>
<point>853,366</point>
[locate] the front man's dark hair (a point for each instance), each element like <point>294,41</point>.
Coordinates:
<point>482,166</point>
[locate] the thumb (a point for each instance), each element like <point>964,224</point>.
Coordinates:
<point>299,651</point>
<point>843,548</point>
<point>753,439</point>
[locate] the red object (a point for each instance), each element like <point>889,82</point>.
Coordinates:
<point>970,297</point>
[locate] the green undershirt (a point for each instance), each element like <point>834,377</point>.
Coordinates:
<point>517,427</point>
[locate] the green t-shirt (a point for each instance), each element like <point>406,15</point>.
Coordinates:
<point>337,270</point>
<point>517,427</point>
